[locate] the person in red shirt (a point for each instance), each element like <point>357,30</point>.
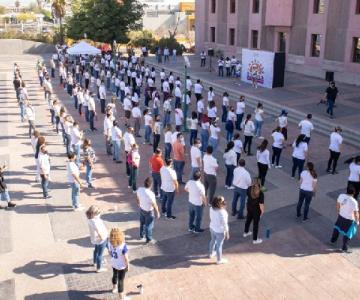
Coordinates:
<point>179,157</point>
<point>155,164</point>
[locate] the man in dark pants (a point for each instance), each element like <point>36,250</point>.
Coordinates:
<point>169,186</point>
<point>210,169</point>
<point>330,95</point>
<point>335,146</point>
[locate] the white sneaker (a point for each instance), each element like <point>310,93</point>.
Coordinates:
<point>222,261</point>
<point>80,208</point>
<point>226,187</point>
<point>247,234</point>
<point>258,241</point>
<point>213,254</point>
<point>101,270</point>
<point>278,167</point>
<point>115,289</point>
<point>231,188</point>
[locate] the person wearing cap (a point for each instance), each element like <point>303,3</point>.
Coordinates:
<point>335,148</point>
<point>330,96</point>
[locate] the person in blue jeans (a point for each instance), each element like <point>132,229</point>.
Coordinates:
<point>73,175</point>
<point>89,160</point>
<point>241,182</point>
<point>330,95</point>
<point>197,201</point>
<point>148,207</point>
<point>169,185</point>
<point>98,236</point>
<point>4,193</point>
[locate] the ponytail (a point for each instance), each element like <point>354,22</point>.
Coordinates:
<point>311,169</point>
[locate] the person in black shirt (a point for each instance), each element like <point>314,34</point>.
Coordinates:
<point>17,84</point>
<point>255,209</point>
<point>330,96</point>
<point>4,194</point>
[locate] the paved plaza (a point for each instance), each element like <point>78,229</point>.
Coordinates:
<point>45,250</point>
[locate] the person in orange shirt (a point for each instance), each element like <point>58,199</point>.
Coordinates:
<point>155,164</point>
<point>179,157</point>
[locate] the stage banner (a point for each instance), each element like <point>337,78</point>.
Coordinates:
<point>258,64</point>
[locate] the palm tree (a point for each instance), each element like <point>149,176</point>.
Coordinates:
<point>58,7</point>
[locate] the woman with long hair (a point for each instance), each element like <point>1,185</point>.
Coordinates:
<point>89,160</point>
<point>219,228</point>
<point>263,161</point>
<point>230,124</point>
<point>308,182</point>
<point>205,127</point>
<point>354,177</point>
<point>249,131</point>
<point>277,146</point>
<point>255,209</point>
<point>300,149</point>
<point>259,120</point>
<point>230,158</point>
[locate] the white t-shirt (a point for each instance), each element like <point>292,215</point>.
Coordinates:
<point>193,124</point>
<point>116,134</point>
<point>200,106</point>
<point>307,181</point>
<point>214,131</point>
<point>72,169</point>
<point>198,88</point>
<point>195,154</point>
<point>179,116</point>
<point>242,178</point>
<point>168,137</point>
<point>168,176</point>
<point>147,120</point>
<point>238,145</point>
<point>225,101</point>
<point>278,139</point>
<point>127,104</point>
<point>240,107</point>
<point>283,121</point>
<point>263,157</point>
<point>97,228</point>
<point>258,114</point>
<point>335,142</point>
<point>210,164</point>
<point>231,116</point>
<point>230,158</point>
<point>44,163</point>
<point>354,172</point>
<point>117,254</point>
<point>348,205</point>
<point>300,151</point>
<point>136,112</point>
<point>129,140</point>
<point>196,191</point>
<point>306,127</point>
<point>147,198</point>
<point>219,220</point>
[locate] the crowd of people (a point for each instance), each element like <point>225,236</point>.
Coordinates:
<point>133,99</point>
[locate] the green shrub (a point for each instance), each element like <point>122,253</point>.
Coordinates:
<point>141,38</point>
<point>171,43</point>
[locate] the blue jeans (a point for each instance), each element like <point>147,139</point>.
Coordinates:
<point>195,215</point>
<point>117,150</point>
<point>98,253</point>
<point>216,243</point>
<point>167,202</point>
<point>193,136</point>
<point>179,169</point>
<point>22,112</point>
<point>168,149</point>
<point>156,183</point>
<point>229,175</point>
<point>75,194</point>
<point>133,177</point>
<point>304,196</point>
<point>147,133</point>
<point>147,219</point>
<point>77,149</point>
<point>214,143</point>
<point>330,108</point>
<point>45,184</point>
<point>204,139</point>
<point>229,135</point>
<point>88,173</point>
<point>4,196</point>
<point>166,118</point>
<point>87,117</point>
<point>258,125</point>
<point>242,193</point>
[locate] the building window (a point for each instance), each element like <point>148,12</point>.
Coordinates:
<point>282,42</point>
<point>212,34</point>
<point>232,36</point>
<point>232,6</point>
<point>319,6</point>
<point>256,6</point>
<point>213,6</point>
<point>357,8</point>
<point>356,50</point>
<point>315,45</point>
<point>254,39</point>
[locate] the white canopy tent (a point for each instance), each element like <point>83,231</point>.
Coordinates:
<point>83,48</point>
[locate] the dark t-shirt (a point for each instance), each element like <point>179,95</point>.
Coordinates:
<point>2,182</point>
<point>253,204</point>
<point>331,93</point>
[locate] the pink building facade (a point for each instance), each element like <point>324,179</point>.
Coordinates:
<point>316,35</point>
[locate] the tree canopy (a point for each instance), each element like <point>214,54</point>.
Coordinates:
<point>105,20</point>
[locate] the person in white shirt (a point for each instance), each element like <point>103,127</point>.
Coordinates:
<point>225,107</point>
<point>221,67</point>
<point>30,116</point>
<point>98,236</point>
<point>240,110</point>
<point>211,95</point>
<point>277,146</point>
<point>263,162</point>
<point>148,124</point>
<point>136,115</point>
<point>348,216</point>
<point>76,136</point>
<point>147,204</point>
<point>308,182</point>
<point>219,228</point>
<point>197,201</point>
<point>354,177</point>
<point>178,95</point>
<point>129,140</point>
<point>108,124</point>
<point>200,108</point>
<point>230,164</point>
<point>116,137</point>
<point>283,123</point>
<point>306,127</point>
<point>167,111</point>
<point>214,135</point>
<point>189,85</point>
<point>210,171</point>
<point>44,168</point>
<point>300,149</point>
<point>249,131</point>
<point>259,120</point>
<point>127,109</point>
<point>179,118</point>
<point>193,126</point>
<point>92,112</point>
<point>198,89</point>
<point>202,59</point>
<point>73,176</point>
<point>335,148</point>
<point>168,141</point>
<point>195,156</point>
<point>238,148</point>
<point>134,163</point>
<point>241,182</point>
<point>230,123</point>
<point>169,185</point>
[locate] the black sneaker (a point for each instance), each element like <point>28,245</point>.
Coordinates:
<point>347,251</point>
<point>233,213</point>
<point>11,204</point>
<point>199,231</point>
<point>171,218</point>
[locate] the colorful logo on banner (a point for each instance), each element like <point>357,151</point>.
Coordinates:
<point>255,69</point>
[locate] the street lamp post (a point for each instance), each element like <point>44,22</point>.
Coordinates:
<point>185,104</point>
